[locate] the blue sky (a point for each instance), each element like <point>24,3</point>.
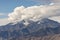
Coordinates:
<point>7,6</point>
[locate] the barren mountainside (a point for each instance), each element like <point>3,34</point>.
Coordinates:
<point>45,30</point>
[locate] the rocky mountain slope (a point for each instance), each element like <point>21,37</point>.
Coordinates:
<point>45,30</point>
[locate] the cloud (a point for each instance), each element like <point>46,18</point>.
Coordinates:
<point>34,13</point>
<point>4,21</point>
<point>56,1</point>
<point>56,19</point>
<point>47,1</point>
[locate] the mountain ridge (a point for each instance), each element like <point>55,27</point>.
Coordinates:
<point>35,29</point>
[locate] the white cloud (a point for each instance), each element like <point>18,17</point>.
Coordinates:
<point>56,19</point>
<point>34,13</point>
<point>56,1</point>
<point>47,1</point>
<point>4,21</point>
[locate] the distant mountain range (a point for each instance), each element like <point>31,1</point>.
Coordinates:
<point>34,31</point>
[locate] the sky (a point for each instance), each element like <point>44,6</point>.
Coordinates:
<point>8,6</point>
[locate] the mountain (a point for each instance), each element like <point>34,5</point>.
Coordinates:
<point>39,30</point>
